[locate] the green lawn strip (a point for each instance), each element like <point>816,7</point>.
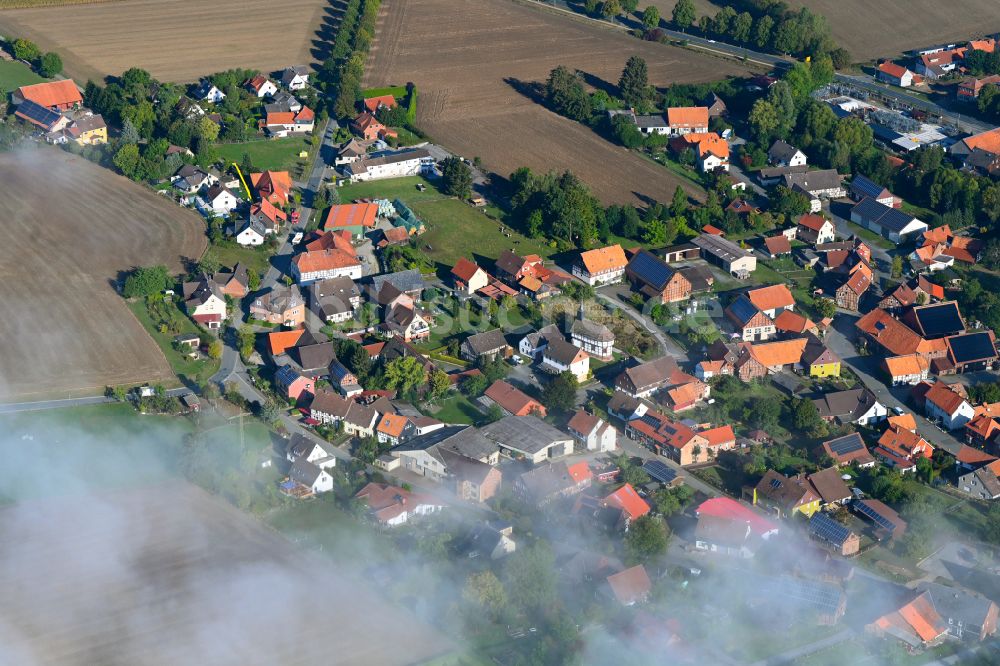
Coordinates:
<point>870,236</point>
<point>14,74</point>
<point>274,154</point>
<point>231,254</point>
<point>456,229</point>
<point>458,409</point>
<point>391,188</point>
<point>195,370</point>
<point>395,91</point>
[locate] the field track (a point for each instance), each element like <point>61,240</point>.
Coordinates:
<point>69,228</point>
<point>475,63</point>
<point>178,40</point>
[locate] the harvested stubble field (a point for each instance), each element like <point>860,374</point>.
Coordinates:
<point>887,27</point>
<point>467,56</point>
<point>179,40</point>
<point>69,228</point>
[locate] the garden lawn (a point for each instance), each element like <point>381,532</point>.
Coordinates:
<point>274,154</point>
<point>194,370</point>
<point>14,74</point>
<point>231,254</point>
<point>458,409</point>
<point>870,236</point>
<point>456,229</point>
<point>391,188</point>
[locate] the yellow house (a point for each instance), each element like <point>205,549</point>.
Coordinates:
<point>821,361</point>
<point>90,131</point>
<point>786,496</point>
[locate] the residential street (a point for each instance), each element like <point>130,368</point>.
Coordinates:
<point>839,338</point>
<point>613,300</point>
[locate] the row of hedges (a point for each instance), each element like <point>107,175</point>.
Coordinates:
<point>345,67</point>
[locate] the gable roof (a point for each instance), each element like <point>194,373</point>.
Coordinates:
<point>772,297</point>
<point>892,69</point>
<point>372,104</point>
<point>51,93</point>
<point>943,396</point>
<point>351,215</point>
<point>793,322</point>
<point>724,507</point>
<point>465,269</point>
<point>603,259</point>
<point>563,353</point>
<point>631,585</point>
<point>781,151</point>
<point>887,217</point>
<point>828,484</point>
<point>778,244</point>
<point>781,352</point>
<point>845,405</point>
<point>909,364</point>
<point>846,449</point>
<point>486,342</point>
<point>513,399</point>
<point>651,373</point>
<point>583,422</point>
<point>687,116</point>
<point>813,222</point>
<point>895,336</point>
<point>789,492</point>
<point>627,500</point>
<point>938,319</point>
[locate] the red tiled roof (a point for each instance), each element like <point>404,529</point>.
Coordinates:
<point>372,104</point>
<point>772,297</point>
<point>52,93</point>
<point>814,222</point>
<point>793,322</point>
<point>719,436</point>
<point>513,400</point>
<point>971,456</point>
<point>723,507</point>
<point>580,471</point>
<point>778,245</point>
<point>628,501</point>
<point>465,269</point>
<point>631,585</point>
<point>603,259</point>
<point>688,117</point>
<point>943,396</point>
<point>892,69</point>
<point>351,215</point>
<point>282,340</point>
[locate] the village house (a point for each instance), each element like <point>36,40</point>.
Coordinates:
<point>844,541</point>
<point>334,300</point>
<point>553,480</point>
<point>280,305</point>
<point>595,339</point>
<point>982,482</point>
<point>358,219</point>
<point>772,300</point>
<point>204,302</point>
<point>426,454</point>
<point>816,185</point>
<point>61,95</point>
<point>468,277</point>
<point>728,527</point>
<point>846,450</point>
<point>848,295</point>
<point>233,283</point>
<point>981,431</point>
<point>972,352</point>
<point>604,265</point>
<point>711,151</point>
<point>512,400</point>
<point>560,356</point>
<point>819,359</point>
<point>687,120</point>
<point>916,624</point>
<point>815,229</point>
<point>261,86</point>
<point>369,128</point>
<point>668,438</point>
<point>937,64</point>
<point>391,506</point>
<point>653,278</point>
<point>404,320</point>
<point>898,339</point>
<point>306,479</point>
<point>862,188</point>
<point>528,437</point>
<point>279,124</point>
<point>190,179</point>
<point>782,154</point>
<point>592,431</point>
<point>533,344</point>
<point>631,586</point>
<point>947,404</point>
<point>793,324</point>
<point>316,451</point>
<point>252,233</point>
<point>642,380</point>
<point>309,267</point>
<point>273,186</point>
<point>785,496</point>
<point>777,246</point>
<point>492,539</point>
<point>908,369</point>
<point>888,524</point>
<point>755,361</point>
<point>488,345</point>
<point>392,428</point>
<point>858,406</point>
<point>628,503</point>
<point>390,164</point>
<point>291,384</point>
<point>219,200</point>
<point>295,77</point>
<point>750,323</point>
<point>894,74</point>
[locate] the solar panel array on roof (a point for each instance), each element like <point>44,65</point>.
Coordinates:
<point>828,529</point>
<point>823,596</point>
<point>650,269</point>
<point>743,309</point>
<point>846,444</point>
<point>971,347</point>
<point>649,419</point>
<point>867,510</point>
<point>939,320</point>
<point>37,113</point>
<point>659,471</point>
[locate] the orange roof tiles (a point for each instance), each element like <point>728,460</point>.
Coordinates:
<point>351,215</point>
<point>896,336</point>
<point>684,395</point>
<point>60,94</point>
<point>988,45</point>
<point>281,341</point>
<point>778,244</point>
<point>905,442</point>
<point>513,400</point>
<point>910,364</point>
<point>626,499</point>
<point>938,234</point>
<point>793,322</point>
<point>783,352</point>
<point>687,117</point>
<point>330,240</point>
<point>964,249</point>
<point>392,424</point>
<point>814,222</point>
<point>719,436</point>
<point>771,298</point>
<point>944,396</point>
<point>272,185</point>
<point>324,260</point>
<point>982,425</point>
<point>465,269</point>
<point>630,585</point>
<point>580,471</point>
<point>926,622</point>
<point>988,141</point>
<point>971,455</point>
<point>604,259</point>
<point>892,69</point>
<point>904,421</point>
<point>372,104</point>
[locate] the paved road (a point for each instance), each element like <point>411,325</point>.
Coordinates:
<point>839,338</point>
<point>636,449</point>
<point>667,345</point>
<point>41,405</point>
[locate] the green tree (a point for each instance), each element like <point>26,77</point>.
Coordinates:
<point>629,6</point>
<point>50,65</point>
<point>26,50</point>
<point>826,307</point>
<point>566,96</point>
<point>805,416</point>
<point>494,413</point>
<point>683,14</point>
<point>456,177</point>
<point>633,85</point>
<point>245,339</point>
<point>789,202</point>
<point>723,20</point>
<point>215,350</point>
<point>651,17</point>
<point>741,27</point>
<point>610,9</point>
<point>530,575</point>
<point>474,385</point>
<point>207,129</point>
<point>485,590</point>
<point>560,392</point>
<point>764,120</point>
<point>127,160</point>
<point>253,279</point>
<point>762,31</point>
<point>897,266</point>
<point>147,281</point>
<point>655,233</point>
<point>439,383</point>
<point>404,374</point>
<point>647,537</point>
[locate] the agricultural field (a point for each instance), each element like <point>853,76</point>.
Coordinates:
<point>471,60</point>
<point>70,228</point>
<point>178,40</point>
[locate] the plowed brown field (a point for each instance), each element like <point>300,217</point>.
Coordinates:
<point>178,40</point>
<point>69,227</point>
<point>467,58</point>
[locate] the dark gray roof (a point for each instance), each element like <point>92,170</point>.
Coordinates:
<point>649,269</point>
<point>651,121</point>
<point>547,480</point>
<point>938,319</point>
<point>486,342</point>
<point>887,217</point>
<point>279,298</point>
<point>316,356</point>
<point>592,330</point>
<point>742,310</point>
<point>333,296</point>
<point>509,262</point>
<point>958,604</point>
<point>970,347</point>
<point>720,247</point>
<point>561,351</point>
<point>405,281</point>
<point>651,373</point>
<point>769,173</point>
<point>781,151</point>
<point>700,277</point>
<point>304,472</point>
<point>814,181</point>
<point>845,405</point>
<point>527,434</point>
<point>361,166</point>
<point>330,403</point>
<point>866,188</point>
<point>462,440</point>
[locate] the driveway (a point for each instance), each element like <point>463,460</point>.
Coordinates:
<point>613,300</point>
